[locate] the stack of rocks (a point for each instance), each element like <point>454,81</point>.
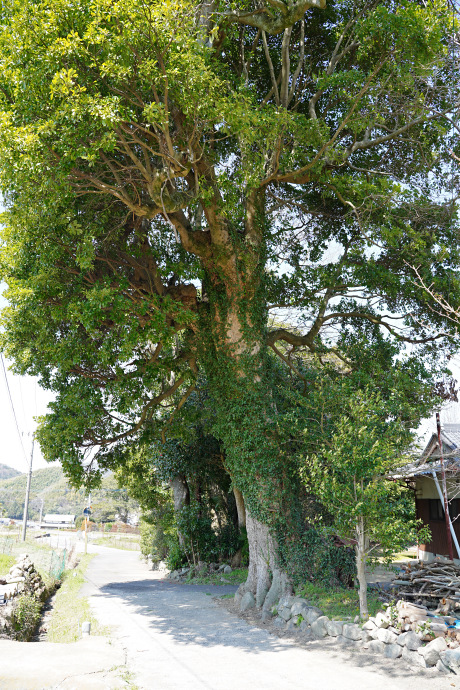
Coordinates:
<point>404,630</point>
<point>202,569</point>
<point>23,578</point>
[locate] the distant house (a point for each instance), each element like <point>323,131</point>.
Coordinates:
<point>52,520</point>
<point>425,477</point>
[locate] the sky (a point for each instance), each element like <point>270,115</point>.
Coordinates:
<point>29,401</point>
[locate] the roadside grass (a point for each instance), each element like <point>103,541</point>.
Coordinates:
<point>5,563</point>
<point>131,544</point>
<point>70,609</point>
<point>236,577</point>
<point>337,603</point>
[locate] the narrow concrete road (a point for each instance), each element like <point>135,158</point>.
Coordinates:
<point>175,637</point>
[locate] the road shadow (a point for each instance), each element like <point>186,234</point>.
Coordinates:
<point>188,614</point>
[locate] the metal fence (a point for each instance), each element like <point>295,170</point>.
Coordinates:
<point>6,545</point>
<point>57,563</point>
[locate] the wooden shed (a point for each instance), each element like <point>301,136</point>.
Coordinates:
<point>426,478</point>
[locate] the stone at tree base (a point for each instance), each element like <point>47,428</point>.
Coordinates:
<point>279,622</point>
<point>247,602</point>
<point>291,625</point>
<point>285,613</point>
<point>334,628</point>
<point>386,636</point>
<point>240,592</point>
<point>402,639</point>
<point>228,570</point>
<point>369,625</point>
<point>412,641</point>
<point>298,608</point>
<point>305,627</point>
<point>442,668</point>
<point>312,614</point>
<point>381,620</point>
<point>376,646</point>
<point>413,658</point>
<point>432,651</point>
<point>451,659</point>
<point>318,627</point>
<point>365,637</point>
<point>352,631</point>
<point>392,651</point>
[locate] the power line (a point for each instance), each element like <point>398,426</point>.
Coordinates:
<point>13,410</point>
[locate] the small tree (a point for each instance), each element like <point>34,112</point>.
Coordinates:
<point>351,475</point>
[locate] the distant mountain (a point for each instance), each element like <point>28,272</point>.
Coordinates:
<point>7,472</point>
<point>50,486</point>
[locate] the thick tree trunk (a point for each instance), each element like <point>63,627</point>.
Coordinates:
<point>361,554</point>
<point>265,580</point>
<point>241,386</point>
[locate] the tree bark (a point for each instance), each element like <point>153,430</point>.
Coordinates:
<point>181,497</point>
<point>361,558</point>
<point>240,507</point>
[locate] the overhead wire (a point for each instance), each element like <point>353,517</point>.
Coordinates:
<point>13,410</point>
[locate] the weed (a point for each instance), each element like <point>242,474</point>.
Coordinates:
<point>337,602</point>
<point>70,609</point>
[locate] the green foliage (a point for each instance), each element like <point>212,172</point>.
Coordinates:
<point>314,556</point>
<point>201,541</point>
<point>6,562</point>
<point>79,520</point>
<point>25,616</point>
<point>337,602</point>
<point>352,476</point>
<point>236,577</point>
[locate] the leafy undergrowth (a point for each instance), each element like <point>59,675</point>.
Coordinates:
<point>337,603</point>
<point>5,563</point>
<point>70,609</point>
<point>236,577</point>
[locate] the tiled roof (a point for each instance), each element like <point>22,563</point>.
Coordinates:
<point>450,438</point>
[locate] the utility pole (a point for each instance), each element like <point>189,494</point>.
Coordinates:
<point>41,512</point>
<point>87,512</point>
<point>26,502</point>
<point>444,491</point>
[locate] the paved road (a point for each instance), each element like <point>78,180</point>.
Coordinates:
<point>175,637</point>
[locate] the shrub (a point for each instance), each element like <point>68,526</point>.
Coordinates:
<point>316,557</point>
<point>25,617</point>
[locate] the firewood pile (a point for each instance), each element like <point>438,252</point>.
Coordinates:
<point>435,584</point>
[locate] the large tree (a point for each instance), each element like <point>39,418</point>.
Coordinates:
<point>175,170</point>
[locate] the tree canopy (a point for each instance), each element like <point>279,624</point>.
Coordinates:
<point>174,171</point>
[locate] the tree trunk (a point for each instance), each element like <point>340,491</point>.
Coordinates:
<point>361,559</point>
<point>181,497</point>
<point>266,580</point>
<point>241,510</point>
<point>241,387</point>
